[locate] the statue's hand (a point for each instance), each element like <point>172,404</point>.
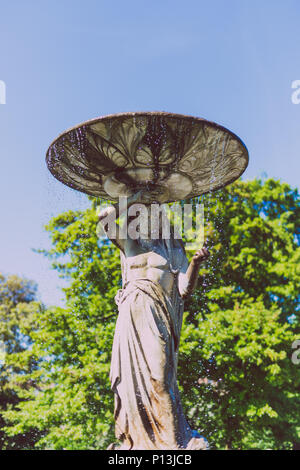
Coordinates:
<point>200,256</point>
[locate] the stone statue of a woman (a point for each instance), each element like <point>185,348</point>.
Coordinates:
<point>156,278</point>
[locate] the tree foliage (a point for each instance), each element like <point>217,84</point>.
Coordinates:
<point>239,386</point>
<point>18,307</point>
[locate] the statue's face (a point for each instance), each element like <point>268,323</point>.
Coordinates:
<point>160,194</point>
<point>154,218</point>
<point>147,215</point>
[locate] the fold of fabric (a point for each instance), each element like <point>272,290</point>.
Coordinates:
<point>148,412</point>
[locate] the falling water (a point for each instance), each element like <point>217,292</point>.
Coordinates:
<point>207,380</point>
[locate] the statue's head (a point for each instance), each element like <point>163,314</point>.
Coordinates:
<point>149,220</point>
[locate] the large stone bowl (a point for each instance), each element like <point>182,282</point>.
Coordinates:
<point>173,155</point>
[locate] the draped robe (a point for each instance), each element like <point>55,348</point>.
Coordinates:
<point>148,412</point>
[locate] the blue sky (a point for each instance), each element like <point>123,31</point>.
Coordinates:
<point>63,62</point>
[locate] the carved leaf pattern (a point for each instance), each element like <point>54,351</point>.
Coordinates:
<point>204,153</point>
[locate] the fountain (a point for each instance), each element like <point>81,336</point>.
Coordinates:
<point>146,157</point>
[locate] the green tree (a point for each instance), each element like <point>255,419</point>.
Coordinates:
<point>239,386</point>
<point>17,310</point>
<point>238,342</point>
<point>73,406</point>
